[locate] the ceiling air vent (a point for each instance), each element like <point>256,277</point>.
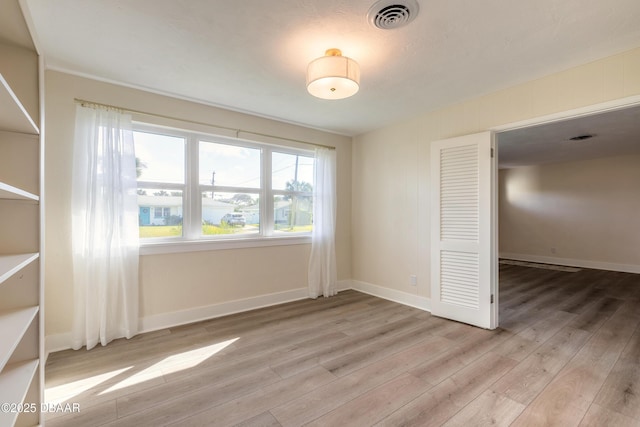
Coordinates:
<point>392,14</point>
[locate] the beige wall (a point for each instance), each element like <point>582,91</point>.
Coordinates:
<point>585,211</point>
<point>181,281</point>
<point>391,165</point>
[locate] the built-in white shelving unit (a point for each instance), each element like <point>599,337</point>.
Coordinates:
<point>13,326</point>
<point>9,192</point>
<point>10,264</point>
<point>21,337</point>
<point>14,383</point>
<point>13,115</point>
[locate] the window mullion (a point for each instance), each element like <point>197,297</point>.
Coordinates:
<point>160,185</point>
<point>192,199</point>
<point>266,207</point>
<point>223,189</point>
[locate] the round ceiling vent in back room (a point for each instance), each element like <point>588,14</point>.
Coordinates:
<point>581,137</point>
<point>392,14</point>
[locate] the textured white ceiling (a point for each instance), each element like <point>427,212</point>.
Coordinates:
<point>615,133</point>
<point>251,55</point>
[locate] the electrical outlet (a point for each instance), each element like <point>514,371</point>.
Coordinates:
<point>413,280</point>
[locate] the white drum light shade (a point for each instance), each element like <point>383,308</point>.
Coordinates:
<point>333,76</point>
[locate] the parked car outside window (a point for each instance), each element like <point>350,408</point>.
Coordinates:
<point>234,219</point>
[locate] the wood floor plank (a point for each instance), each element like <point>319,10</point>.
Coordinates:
<point>426,410</point>
<point>526,341</point>
<point>599,311</point>
<point>597,416</point>
<point>440,367</point>
<point>488,409</point>
<point>375,404</point>
<point>478,376</point>
<point>355,360</point>
<point>263,420</point>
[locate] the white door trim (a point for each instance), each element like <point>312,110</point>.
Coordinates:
<point>602,107</point>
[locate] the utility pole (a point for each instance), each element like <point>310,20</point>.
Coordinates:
<point>213,181</point>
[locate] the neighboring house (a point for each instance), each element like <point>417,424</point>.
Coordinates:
<point>213,210</point>
<point>155,210</point>
<point>252,214</point>
<point>282,210</point>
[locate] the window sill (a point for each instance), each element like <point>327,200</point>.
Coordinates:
<point>166,247</point>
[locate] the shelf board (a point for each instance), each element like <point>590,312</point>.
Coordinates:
<point>9,192</point>
<point>14,384</point>
<point>13,115</point>
<point>13,325</point>
<point>11,264</point>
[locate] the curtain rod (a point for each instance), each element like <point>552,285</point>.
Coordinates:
<point>236,130</point>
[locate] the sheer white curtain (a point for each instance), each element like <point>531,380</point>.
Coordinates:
<point>323,271</point>
<point>104,228</point>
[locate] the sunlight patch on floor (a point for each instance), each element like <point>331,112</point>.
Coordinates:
<point>174,363</point>
<point>66,392</point>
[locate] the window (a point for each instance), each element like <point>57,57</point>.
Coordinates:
<point>200,187</point>
<point>160,167</point>
<point>230,183</point>
<point>292,185</point>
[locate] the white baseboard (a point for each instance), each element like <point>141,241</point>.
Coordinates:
<point>59,342</point>
<point>405,298</point>
<point>197,314</point>
<point>625,268</point>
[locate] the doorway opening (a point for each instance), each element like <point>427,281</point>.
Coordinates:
<point>567,191</point>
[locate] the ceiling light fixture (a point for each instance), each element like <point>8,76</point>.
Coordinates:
<point>333,76</point>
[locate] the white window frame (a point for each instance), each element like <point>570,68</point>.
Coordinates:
<point>192,238</point>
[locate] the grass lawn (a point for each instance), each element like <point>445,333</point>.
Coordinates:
<point>150,231</point>
<point>147,231</point>
<point>209,230</point>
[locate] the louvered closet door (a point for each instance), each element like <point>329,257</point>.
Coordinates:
<point>462,233</point>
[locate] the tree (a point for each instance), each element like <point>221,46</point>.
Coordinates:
<point>142,192</point>
<point>242,200</point>
<point>299,186</point>
<point>295,187</point>
<point>139,166</point>
<point>161,193</point>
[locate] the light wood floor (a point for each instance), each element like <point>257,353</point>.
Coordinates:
<point>567,353</point>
